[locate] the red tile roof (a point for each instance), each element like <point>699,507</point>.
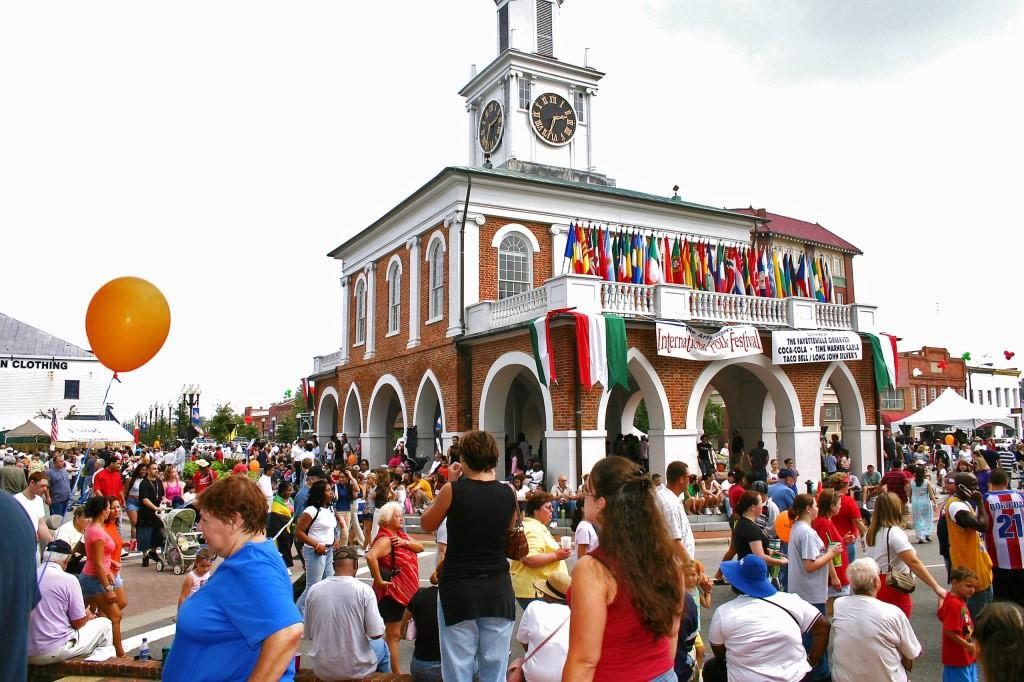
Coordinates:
<point>800,230</point>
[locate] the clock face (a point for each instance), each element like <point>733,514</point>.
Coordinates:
<point>553,119</point>
<point>492,123</point>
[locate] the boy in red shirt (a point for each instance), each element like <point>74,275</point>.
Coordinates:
<point>958,652</point>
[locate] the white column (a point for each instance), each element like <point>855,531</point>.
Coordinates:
<point>559,235</point>
<point>454,277</point>
<point>414,292</point>
<point>346,308</point>
<point>671,445</point>
<point>371,310</point>
<point>469,292</point>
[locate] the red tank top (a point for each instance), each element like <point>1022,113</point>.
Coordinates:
<point>629,650</point>
<point>404,585</point>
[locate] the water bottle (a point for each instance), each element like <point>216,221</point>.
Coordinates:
<point>144,650</point>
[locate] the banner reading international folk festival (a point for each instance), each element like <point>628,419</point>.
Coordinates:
<point>815,346</point>
<point>680,341</point>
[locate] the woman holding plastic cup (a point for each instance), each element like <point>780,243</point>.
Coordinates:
<point>828,504</point>
<point>546,554</point>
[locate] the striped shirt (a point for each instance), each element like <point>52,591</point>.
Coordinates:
<point>1004,538</point>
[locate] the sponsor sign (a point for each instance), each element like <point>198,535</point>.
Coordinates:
<point>680,341</point>
<point>791,347</point>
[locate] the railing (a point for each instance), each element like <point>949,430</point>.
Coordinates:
<point>627,299</point>
<point>325,363</point>
<point>714,307</point>
<point>520,307</point>
<point>833,316</point>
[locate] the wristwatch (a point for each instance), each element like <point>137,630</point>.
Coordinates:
<point>108,588</point>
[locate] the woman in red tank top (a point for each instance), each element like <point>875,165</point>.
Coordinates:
<point>627,595</point>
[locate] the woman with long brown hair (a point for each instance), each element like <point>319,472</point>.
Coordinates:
<point>627,595</point>
<point>889,546</point>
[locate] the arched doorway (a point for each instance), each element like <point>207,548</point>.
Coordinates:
<point>428,416</point>
<point>514,406</point>
<point>352,417</point>
<point>619,409</point>
<point>385,421</point>
<point>839,407</point>
<point>761,404</point>
<point>327,416</point>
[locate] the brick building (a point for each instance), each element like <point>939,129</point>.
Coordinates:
<point>923,376</point>
<point>265,419</point>
<point>438,294</point>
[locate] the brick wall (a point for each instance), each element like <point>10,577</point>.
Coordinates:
<point>489,255</point>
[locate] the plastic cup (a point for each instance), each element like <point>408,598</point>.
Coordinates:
<point>566,543</point>
<point>837,560</point>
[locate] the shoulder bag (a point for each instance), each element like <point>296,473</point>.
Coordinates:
<point>897,580</point>
<point>516,544</point>
<point>515,669</point>
<point>386,574</point>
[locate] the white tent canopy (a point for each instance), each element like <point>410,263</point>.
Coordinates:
<point>952,409</point>
<point>75,431</point>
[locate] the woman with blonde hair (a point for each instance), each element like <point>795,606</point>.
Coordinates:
<point>888,544</point>
<point>626,595</point>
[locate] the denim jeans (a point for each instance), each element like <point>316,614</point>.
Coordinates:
<point>318,567</point>
<point>425,671</point>
<point>979,601</point>
<point>58,508</point>
<point>474,648</point>
<point>667,676</point>
<point>558,505</point>
<point>380,649</point>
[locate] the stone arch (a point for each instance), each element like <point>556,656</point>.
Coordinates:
<point>429,402</point>
<point>387,403</point>
<point>516,228</point>
<point>435,237</point>
<point>494,396</point>
<point>858,437</point>
<point>327,415</point>
<point>650,387</point>
<point>352,416</point>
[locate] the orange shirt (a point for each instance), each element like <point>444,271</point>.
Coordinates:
<point>783,526</point>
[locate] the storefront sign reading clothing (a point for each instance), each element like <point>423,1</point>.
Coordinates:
<point>795,347</point>
<point>26,363</point>
<point>680,341</point>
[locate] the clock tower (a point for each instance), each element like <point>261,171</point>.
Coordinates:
<point>528,110</point>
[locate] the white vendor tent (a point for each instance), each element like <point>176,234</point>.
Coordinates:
<point>75,431</point>
<point>952,409</point>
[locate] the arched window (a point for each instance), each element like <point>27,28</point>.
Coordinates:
<point>360,312</point>
<point>515,266</point>
<point>394,297</point>
<point>436,258</point>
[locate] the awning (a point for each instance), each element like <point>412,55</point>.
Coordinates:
<point>888,418</point>
<point>73,431</point>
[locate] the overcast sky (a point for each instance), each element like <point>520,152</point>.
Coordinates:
<point>220,149</point>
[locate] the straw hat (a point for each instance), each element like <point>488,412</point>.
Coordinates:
<point>202,463</point>
<point>556,586</point>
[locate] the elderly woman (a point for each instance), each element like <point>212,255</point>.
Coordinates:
<point>99,577</point>
<point>242,625</point>
<point>396,573</point>
<point>546,555</point>
<point>863,625</point>
<point>888,544</point>
<point>476,609</point>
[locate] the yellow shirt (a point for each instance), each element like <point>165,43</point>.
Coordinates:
<point>423,486</point>
<point>541,541</point>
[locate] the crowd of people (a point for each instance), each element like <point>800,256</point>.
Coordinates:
<point>630,607</point>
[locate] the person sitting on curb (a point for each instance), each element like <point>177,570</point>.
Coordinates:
<point>59,626</point>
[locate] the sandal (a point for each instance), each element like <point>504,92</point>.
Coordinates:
<point>720,581</point>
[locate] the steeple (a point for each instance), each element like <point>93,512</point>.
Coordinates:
<point>529,110</point>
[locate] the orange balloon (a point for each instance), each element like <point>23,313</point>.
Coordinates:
<point>949,439</point>
<point>127,323</point>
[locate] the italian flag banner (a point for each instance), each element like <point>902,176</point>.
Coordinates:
<point>600,344</point>
<point>885,358</point>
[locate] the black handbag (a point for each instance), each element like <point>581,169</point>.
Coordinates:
<point>386,574</point>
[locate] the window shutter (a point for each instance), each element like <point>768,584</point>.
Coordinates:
<point>503,29</point>
<point>545,41</point>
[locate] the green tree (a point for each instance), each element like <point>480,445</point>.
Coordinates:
<point>247,431</point>
<point>714,417</point>
<point>287,430</point>
<point>222,423</point>
<point>641,420</point>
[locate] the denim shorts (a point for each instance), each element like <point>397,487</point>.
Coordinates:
<point>132,504</point>
<point>92,587</point>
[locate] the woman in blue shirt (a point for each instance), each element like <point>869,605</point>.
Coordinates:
<point>242,624</point>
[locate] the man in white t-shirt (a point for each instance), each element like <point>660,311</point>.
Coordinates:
<point>760,633</point>
<point>540,619</point>
<point>870,640</point>
<point>31,500</point>
<point>676,477</point>
<point>345,624</point>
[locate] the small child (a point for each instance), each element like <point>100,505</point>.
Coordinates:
<point>198,576</point>
<point>958,649</point>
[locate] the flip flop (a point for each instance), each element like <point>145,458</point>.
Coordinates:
<point>720,581</point>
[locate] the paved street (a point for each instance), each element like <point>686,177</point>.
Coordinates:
<point>152,599</point>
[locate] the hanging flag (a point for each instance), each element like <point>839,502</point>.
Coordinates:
<point>730,277</point>
<point>627,257</point>
<point>577,250</point>
<point>777,275</point>
<point>819,292</point>
<point>749,272</point>
<point>666,261</point>
<point>800,278</point>
<point>737,285</point>
<point>570,250</point>
<point>53,426</point>
<point>607,259</point>
<point>638,259</point>
<point>540,340</point>
<point>598,344</point>
<point>620,256</point>
<point>678,268</point>
<point>615,342</point>
<point>884,358</point>
<point>762,274</point>
<point>595,252</point>
<point>653,273</point>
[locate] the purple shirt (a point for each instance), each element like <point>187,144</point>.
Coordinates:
<point>60,602</point>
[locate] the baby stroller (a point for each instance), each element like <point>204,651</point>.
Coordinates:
<point>181,541</point>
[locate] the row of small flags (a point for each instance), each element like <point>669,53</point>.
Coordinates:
<point>631,257</point>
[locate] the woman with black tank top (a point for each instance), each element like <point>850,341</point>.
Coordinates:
<point>476,609</point>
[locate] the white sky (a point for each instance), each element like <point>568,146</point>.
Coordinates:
<point>220,149</point>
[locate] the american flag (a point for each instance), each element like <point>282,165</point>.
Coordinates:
<point>53,427</point>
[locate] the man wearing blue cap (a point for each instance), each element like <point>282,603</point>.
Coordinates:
<point>760,634</point>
